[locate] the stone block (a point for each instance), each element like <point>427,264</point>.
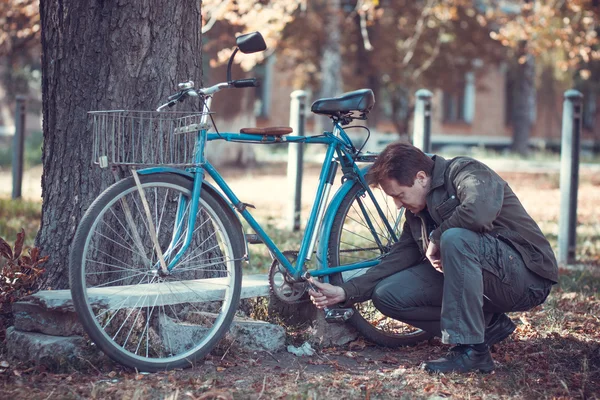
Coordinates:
<point>258,335</point>
<point>247,334</point>
<point>34,315</point>
<point>326,334</point>
<point>52,351</point>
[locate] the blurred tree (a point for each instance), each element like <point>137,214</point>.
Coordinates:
<point>101,56</point>
<point>223,21</point>
<point>19,55</point>
<point>19,41</point>
<point>394,47</point>
<point>559,36</point>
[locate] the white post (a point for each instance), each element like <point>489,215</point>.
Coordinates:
<point>569,176</point>
<point>295,155</point>
<point>422,121</point>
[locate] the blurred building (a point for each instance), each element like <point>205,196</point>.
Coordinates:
<point>477,115</point>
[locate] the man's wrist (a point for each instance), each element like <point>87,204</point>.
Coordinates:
<point>342,294</point>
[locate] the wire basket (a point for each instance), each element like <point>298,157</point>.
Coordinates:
<point>145,138</point>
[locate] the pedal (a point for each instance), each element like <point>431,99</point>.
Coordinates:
<point>338,315</point>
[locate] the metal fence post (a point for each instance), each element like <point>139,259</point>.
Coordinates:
<point>569,176</point>
<point>295,157</point>
<point>18,146</point>
<point>422,120</point>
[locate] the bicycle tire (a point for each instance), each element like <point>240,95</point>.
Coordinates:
<point>352,240</point>
<point>135,316</point>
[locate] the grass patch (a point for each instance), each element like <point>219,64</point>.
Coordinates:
<point>19,214</point>
<point>32,150</point>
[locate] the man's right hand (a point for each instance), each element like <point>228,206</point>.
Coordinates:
<point>434,256</point>
<point>327,294</point>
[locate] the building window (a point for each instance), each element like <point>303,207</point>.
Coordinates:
<point>459,105</point>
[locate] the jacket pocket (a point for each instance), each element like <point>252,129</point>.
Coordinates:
<point>446,208</point>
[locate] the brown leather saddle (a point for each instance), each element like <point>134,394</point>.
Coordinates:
<point>276,131</point>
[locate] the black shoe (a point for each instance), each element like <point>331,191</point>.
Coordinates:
<point>499,330</point>
<point>462,358</point>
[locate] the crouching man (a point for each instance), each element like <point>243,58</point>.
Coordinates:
<point>468,253</point>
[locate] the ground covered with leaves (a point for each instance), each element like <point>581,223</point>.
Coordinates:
<point>554,353</point>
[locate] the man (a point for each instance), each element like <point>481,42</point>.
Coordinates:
<point>468,253</point>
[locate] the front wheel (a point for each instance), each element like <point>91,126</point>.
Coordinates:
<point>137,315</point>
<point>360,233</point>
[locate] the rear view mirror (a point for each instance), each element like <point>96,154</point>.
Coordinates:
<point>251,43</point>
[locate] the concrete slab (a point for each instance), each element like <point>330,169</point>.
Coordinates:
<point>173,293</point>
<point>52,312</point>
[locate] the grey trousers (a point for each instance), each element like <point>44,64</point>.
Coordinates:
<point>482,276</point>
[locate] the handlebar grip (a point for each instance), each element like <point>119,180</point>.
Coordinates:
<point>244,83</point>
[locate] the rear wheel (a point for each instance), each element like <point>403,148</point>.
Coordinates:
<point>359,233</point>
<point>135,314</point>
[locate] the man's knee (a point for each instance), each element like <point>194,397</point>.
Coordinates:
<point>388,294</point>
<point>382,296</point>
<point>458,239</point>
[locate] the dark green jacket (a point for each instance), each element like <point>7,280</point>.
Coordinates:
<point>481,202</point>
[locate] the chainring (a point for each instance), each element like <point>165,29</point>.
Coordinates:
<point>281,284</point>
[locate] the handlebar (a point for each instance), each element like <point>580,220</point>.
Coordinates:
<point>243,83</point>
<point>187,89</point>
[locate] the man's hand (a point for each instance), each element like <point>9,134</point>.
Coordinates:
<point>434,256</point>
<point>326,295</point>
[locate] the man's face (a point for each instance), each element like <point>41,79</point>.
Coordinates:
<point>413,198</point>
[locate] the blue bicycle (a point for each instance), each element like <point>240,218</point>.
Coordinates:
<point>156,263</point>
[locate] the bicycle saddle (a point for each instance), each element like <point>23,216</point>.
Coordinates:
<point>361,100</point>
<point>268,131</point>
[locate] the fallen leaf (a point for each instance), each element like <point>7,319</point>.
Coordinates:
<point>216,395</point>
<point>357,345</point>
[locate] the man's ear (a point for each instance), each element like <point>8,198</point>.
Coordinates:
<point>421,177</point>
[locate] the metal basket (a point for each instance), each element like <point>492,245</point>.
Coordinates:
<point>144,138</point>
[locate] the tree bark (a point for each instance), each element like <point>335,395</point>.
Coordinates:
<point>524,100</point>
<point>101,55</point>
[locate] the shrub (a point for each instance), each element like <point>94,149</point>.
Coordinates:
<point>20,272</point>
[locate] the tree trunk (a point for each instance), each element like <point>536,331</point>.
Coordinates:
<point>100,55</point>
<point>524,101</point>
<point>331,59</point>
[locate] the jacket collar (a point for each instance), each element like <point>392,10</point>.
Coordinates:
<point>439,169</point>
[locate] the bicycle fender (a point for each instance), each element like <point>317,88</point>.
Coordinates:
<point>330,214</point>
<point>169,170</point>
<point>205,186</point>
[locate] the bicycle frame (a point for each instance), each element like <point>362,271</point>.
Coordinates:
<point>338,152</point>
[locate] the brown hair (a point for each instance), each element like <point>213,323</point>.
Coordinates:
<point>400,161</point>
